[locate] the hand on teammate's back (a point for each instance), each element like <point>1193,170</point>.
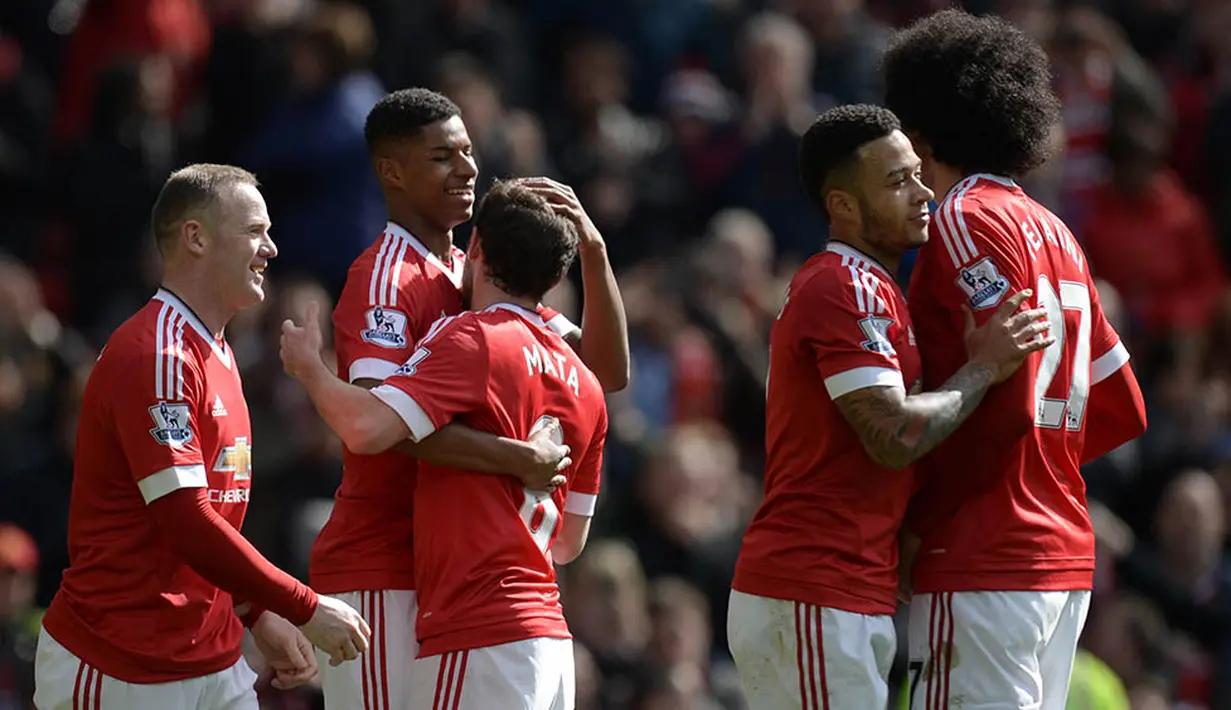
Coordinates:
<point>337,629</point>
<point>1008,336</point>
<point>301,345</point>
<point>549,457</point>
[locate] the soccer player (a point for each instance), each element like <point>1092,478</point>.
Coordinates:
<point>1004,570</point>
<point>810,621</point>
<point>490,623</point>
<point>146,615</point>
<point>395,290</point>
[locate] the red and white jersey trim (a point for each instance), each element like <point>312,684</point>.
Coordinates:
<point>583,504</point>
<point>861,377</point>
<point>867,277</point>
<point>417,420</point>
<point>168,325</point>
<point>169,480</point>
<point>398,234</point>
<point>371,368</point>
<point>1109,363</point>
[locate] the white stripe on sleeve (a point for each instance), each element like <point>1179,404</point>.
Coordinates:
<point>169,480</point>
<point>581,504</point>
<point>1108,364</point>
<point>417,420</point>
<point>862,377</point>
<point>371,368</point>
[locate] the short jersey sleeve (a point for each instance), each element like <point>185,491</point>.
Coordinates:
<point>1107,352</point>
<point>557,322</point>
<point>583,489</point>
<point>845,318</point>
<point>154,407</point>
<point>372,326</point>
<point>445,377</point>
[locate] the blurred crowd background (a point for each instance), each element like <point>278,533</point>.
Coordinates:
<point>676,121</point>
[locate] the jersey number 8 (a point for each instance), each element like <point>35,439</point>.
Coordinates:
<point>1066,412</point>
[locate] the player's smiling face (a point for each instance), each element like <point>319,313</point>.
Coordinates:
<point>893,199</point>
<point>240,245</point>
<point>438,173</point>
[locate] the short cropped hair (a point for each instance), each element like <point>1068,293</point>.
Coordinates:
<point>828,149</point>
<point>190,191</point>
<point>976,90</point>
<point>403,114</point>
<point>527,248</point>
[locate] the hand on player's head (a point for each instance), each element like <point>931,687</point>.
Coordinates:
<point>1008,336</point>
<point>563,201</point>
<point>338,630</point>
<point>301,345</point>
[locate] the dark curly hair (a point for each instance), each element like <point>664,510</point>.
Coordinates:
<point>976,90</point>
<point>527,248</point>
<point>404,113</point>
<point>827,152</point>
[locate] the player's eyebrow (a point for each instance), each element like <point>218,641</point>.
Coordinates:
<point>904,171</point>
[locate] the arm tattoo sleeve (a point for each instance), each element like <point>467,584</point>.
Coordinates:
<point>897,429</point>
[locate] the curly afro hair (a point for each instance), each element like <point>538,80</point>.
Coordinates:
<point>829,145</point>
<point>976,90</point>
<point>403,114</point>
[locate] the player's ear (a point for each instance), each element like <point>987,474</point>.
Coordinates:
<point>389,172</point>
<point>193,236</point>
<point>841,205</point>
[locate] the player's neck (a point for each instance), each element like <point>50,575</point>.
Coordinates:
<point>437,241</point>
<point>944,178</point>
<point>888,259</point>
<point>488,294</point>
<point>202,298</point>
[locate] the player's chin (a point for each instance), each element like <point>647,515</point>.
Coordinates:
<point>255,292</point>
<point>916,233</point>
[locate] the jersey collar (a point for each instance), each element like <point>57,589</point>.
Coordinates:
<point>218,345</point>
<point>453,271</point>
<point>534,318</point>
<point>969,180</point>
<point>844,249</point>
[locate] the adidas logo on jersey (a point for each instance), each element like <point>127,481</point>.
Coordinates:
<point>219,410</point>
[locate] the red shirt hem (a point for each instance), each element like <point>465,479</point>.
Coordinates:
<point>1016,580</point>
<point>494,635</point>
<point>71,633</point>
<point>857,598</point>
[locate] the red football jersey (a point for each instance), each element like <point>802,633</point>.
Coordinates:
<point>163,409</point>
<point>482,542</point>
<point>394,292</point>
<point>826,532</point>
<point>1002,503</point>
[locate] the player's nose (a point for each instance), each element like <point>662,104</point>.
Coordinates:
<point>268,249</point>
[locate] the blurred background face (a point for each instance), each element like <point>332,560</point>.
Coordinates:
<point>438,173</point>
<point>1191,522</point>
<point>239,246</point>
<point>893,201</point>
